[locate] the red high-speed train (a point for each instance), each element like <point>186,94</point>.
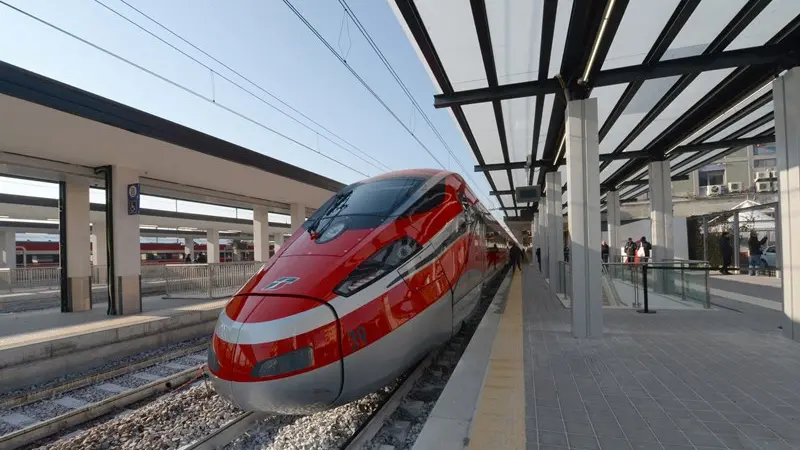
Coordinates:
<point>383,272</point>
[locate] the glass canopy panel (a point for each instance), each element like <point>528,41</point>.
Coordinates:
<point>698,88</point>
<point>638,31</point>
<point>455,40</point>
<point>559,35</point>
<point>515,29</point>
<point>706,23</point>
<point>484,127</point>
<point>773,18</point>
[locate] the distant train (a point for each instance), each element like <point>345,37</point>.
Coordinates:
<point>45,254</point>
<point>384,271</point>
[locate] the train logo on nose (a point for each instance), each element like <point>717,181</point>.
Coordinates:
<point>279,283</point>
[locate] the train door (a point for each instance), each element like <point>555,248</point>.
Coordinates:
<point>467,289</point>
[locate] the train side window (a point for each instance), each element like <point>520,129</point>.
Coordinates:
<point>428,201</point>
<point>469,210</point>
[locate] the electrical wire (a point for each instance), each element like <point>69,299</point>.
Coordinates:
<point>387,64</point>
<point>252,94</point>
<point>173,83</point>
<point>361,80</point>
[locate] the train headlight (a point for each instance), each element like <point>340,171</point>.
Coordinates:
<point>382,262</point>
<point>288,362</point>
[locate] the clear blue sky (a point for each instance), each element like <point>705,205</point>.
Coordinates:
<point>266,42</point>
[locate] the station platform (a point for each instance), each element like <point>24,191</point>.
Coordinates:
<point>677,379</point>
<point>37,346</point>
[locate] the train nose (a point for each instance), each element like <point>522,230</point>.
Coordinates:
<point>277,354</point>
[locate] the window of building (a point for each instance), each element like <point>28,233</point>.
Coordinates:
<point>762,163</point>
<point>712,174</point>
<point>764,149</point>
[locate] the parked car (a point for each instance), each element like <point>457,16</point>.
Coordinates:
<point>769,258</point>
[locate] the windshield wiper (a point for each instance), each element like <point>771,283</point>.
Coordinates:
<point>341,197</point>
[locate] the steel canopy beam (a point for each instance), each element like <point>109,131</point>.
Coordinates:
<point>646,182</point>
<point>639,154</point>
<point>750,56</point>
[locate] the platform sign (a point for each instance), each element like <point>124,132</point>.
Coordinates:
<point>526,194</point>
<point>133,199</point>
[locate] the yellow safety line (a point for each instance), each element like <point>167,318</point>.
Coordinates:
<point>499,421</point>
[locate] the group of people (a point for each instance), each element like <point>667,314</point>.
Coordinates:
<point>754,245</point>
<point>630,250</point>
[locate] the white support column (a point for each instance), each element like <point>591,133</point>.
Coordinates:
<point>127,248</point>
<point>583,214</point>
<point>534,237</point>
<point>261,233</point>
<point>8,259</point>
<point>298,211</point>
<point>661,224</point>
<point>212,246</point>
<point>786,98</point>
<point>543,237</point>
<point>613,221</point>
<point>555,227</point>
<point>188,247</point>
<point>278,241</point>
<point>100,252</point>
<point>79,283</point>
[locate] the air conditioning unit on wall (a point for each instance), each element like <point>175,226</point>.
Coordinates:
<point>735,187</point>
<point>762,176</point>
<point>713,190</point>
<point>763,186</point>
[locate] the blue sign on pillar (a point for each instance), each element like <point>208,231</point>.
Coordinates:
<point>133,199</point>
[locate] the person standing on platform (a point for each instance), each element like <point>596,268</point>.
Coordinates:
<point>515,254</point>
<point>755,251</point>
<point>630,250</point>
<point>539,257</point>
<point>604,251</point>
<point>727,252</point>
<point>646,248</point>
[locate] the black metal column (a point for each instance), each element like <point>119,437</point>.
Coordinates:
<point>66,295</point>
<point>110,276</point>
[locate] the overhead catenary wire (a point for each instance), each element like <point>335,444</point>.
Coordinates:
<point>361,80</point>
<point>388,65</point>
<point>173,83</point>
<point>380,166</point>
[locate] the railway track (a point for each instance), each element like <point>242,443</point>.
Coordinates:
<point>32,417</point>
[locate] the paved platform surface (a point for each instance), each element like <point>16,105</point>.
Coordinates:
<point>48,324</point>
<point>678,379</point>
<point>763,287</point>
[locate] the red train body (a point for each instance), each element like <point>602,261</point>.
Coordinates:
<point>383,272</point>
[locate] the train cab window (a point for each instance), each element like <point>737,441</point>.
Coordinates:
<point>429,200</point>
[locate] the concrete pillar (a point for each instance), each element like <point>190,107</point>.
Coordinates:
<point>8,259</point>
<point>583,214</point>
<point>79,282</point>
<point>555,227</point>
<point>661,224</point>
<point>543,239</point>
<point>260,233</point>
<point>188,246</point>
<point>737,255</point>
<point>279,239</point>
<point>298,211</point>
<point>127,263</point>
<point>534,237</point>
<point>614,223</point>
<point>212,246</point>
<point>99,252</point>
<point>786,98</point>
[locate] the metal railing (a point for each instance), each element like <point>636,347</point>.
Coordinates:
<point>214,280</point>
<point>30,278</point>
<point>676,279</point>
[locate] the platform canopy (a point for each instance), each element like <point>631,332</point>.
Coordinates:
<point>683,80</point>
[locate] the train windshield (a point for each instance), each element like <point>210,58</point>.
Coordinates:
<point>367,204</point>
